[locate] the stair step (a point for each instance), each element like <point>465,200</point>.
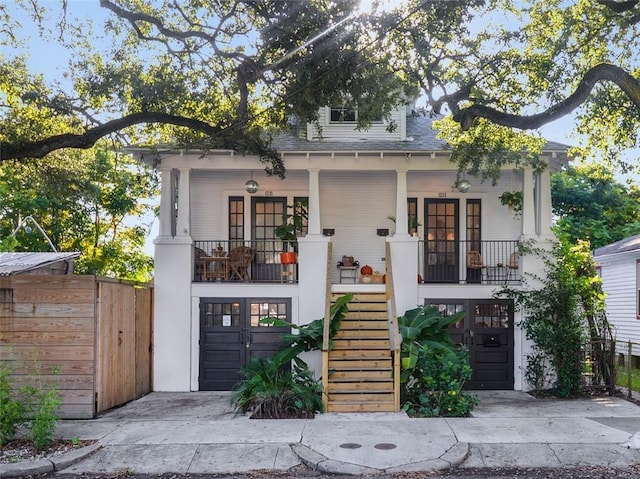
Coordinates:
<point>352,388</point>
<point>359,364</point>
<point>360,297</point>
<point>362,334</point>
<point>366,316</point>
<point>348,406</point>
<point>371,375</point>
<point>364,323</point>
<point>362,397</point>
<point>361,344</point>
<point>366,353</point>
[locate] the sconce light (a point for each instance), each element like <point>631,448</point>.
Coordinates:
<point>251,186</point>
<point>382,231</point>
<point>328,231</point>
<point>463,185</point>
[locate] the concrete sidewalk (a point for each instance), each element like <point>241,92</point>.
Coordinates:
<point>198,433</point>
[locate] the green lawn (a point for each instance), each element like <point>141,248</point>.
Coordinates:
<point>622,378</point>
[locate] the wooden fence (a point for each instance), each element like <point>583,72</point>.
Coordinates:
<point>89,335</point>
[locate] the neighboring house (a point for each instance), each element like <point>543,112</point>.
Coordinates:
<point>463,248</point>
<point>619,267</point>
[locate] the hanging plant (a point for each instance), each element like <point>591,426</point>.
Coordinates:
<point>512,199</point>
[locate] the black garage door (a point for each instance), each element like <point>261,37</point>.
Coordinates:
<point>230,333</point>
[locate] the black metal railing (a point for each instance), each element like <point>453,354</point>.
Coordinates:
<point>479,262</point>
<point>247,261</point>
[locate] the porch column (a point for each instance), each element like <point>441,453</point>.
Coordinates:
<point>165,203</point>
<point>183,222</point>
<point>528,205</point>
<point>314,203</point>
<point>172,370</point>
<point>544,210</point>
<point>402,228</point>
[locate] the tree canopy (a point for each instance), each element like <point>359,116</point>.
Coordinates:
<point>228,73</point>
<point>590,205</point>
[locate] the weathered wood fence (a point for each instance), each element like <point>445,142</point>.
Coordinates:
<point>89,335</point>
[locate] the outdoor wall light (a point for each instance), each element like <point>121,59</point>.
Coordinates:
<point>251,186</point>
<point>463,185</point>
<point>328,231</point>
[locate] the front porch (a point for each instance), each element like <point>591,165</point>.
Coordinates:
<point>492,262</point>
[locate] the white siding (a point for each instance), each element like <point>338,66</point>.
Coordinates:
<point>619,283</point>
<point>348,131</point>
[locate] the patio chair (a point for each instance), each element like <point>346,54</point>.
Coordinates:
<point>512,266</point>
<point>475,265</point>
<point>199,264</point>
<point>240,259</point>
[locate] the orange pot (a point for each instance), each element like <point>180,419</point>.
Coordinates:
<point>288,257</point>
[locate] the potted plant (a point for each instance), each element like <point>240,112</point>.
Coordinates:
<point>512,199</point>
<point>413,224</point>
<point>292,225</point>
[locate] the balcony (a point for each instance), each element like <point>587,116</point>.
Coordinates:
<point>457,262</point>
<point>257,261</point>
<point>469,262</point>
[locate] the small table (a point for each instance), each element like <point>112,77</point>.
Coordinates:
<point>216,268</point>
<point>496,274</point>
<point>348,273</point>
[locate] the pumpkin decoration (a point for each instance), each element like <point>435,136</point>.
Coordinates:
<point>377,277</point>
<point>366,270</point>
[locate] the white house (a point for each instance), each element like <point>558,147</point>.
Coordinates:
<point>207,310</point>
<point>619,266</point>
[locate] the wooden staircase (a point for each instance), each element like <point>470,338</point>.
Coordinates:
<point>360,365</point>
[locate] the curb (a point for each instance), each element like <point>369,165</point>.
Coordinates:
<point>44,466</point>
<point>454,456</point>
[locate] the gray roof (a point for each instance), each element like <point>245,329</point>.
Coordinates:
<point>423,138</point>
<point>15,263</point>
<point>623,246</point>
<point>419,129</point>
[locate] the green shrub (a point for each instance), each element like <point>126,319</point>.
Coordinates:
<point>434,386</point>
<point>11,409</point>
<point>282,386</point>
<point>34,406</point>
<point>434,369</point>
<point>270,390</point>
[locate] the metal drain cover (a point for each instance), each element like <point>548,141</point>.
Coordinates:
<point>350,445</point>
<point>385,446</point>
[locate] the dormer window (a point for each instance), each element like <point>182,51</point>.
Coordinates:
<point>341,114</point>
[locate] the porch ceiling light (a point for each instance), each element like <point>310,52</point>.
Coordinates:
<point>251,186</point>
<point>463,185</point>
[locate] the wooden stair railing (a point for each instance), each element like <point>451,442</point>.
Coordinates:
<point>325,331</point>
<point>394,334</point>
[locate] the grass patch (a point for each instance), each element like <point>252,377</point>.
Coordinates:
<point>622,378</point>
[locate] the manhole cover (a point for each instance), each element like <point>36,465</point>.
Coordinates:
<point>350,445</point>
<point>385,446</point>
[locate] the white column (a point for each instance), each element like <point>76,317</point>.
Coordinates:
<point>314,203</point>
<point>183,224</point>
<point>402,228</point>
<point>165,203</point>
<point>544,187</point>
<point>528,205</point>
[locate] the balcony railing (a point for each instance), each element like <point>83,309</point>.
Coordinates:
<point>470,262</point>
<point>460,262</point>
<point>246,261</point>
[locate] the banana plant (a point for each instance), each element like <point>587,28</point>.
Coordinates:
<point>309,336</point>
<point>424,326</point>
